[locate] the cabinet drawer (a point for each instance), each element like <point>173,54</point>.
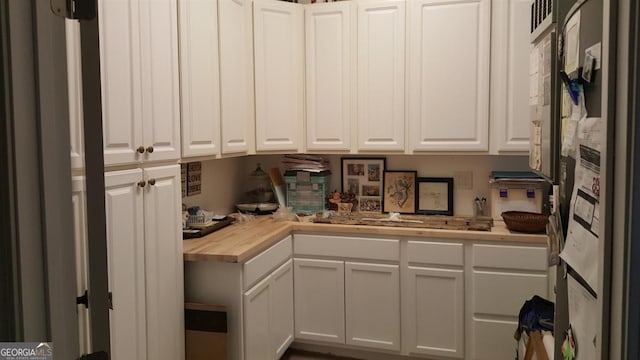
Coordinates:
<point>493,339</point>
<point>510,257</point>
<point>350,247</point>
<point>504,293</point>
<point>266,261</point>
<point>436,253</point>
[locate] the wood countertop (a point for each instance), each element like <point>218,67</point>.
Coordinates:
<point>237,243</point>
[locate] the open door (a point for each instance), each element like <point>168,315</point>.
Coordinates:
<point>37,252</point>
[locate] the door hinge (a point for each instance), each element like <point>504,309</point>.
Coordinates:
<point>100,355</point>
<point>75,9</point>
<point>84,299</point>
<point>110,300</point>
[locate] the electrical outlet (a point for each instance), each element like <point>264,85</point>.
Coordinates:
<point>463,180</point>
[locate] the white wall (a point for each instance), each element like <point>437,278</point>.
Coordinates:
<point>222,185</point>
<point>223,181</point>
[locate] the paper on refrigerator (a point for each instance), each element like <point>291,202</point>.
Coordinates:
<point>582,244</point>
<point>572,43</point>
<point>582,309</point>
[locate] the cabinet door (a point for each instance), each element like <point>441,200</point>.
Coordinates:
<point>329,75</point>
<point>236,76</point>
<point>78,200</point>
<point>126,261</point>
<point>74,84</point>
<point>199,79</point>
<point>281,321</point>
<point>118,25</point>
<point>372,305</point>
<point>159,76</point>
<point>510,46</point>
<point>381,38</point>
<point>319,300</point>
<point>163,263</point>
<point>279,77</point>
<point>434,312</point>
<point>493,339</point>
<point>448,60</point>
<point>257,335</point>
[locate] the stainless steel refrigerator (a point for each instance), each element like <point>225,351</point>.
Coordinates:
<point>563,33</point>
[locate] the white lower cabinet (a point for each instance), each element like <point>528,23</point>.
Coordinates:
<point>268,311</point>
<point>319,300</point>
<point>268,314</point>
<point>282,308</point>
<point>257,312</point>
<point>435,311</point>
<point>356,295</point>
<point>349,303</point>
<point>434,299</point>
<point>144,250</point>
<point>503,278</point>
<point>346,302</point>
<point>372,305</point>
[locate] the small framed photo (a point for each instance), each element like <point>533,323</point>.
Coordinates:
<point>399,191</point>
<point>370,204</point>
<point>362,176</point>
<point>435,196</point>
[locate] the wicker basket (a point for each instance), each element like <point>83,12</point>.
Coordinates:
<point>525,221</point>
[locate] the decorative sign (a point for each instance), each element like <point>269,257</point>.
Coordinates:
<point>194,178</point>
<point>191,178</point>
<point>183,179</point>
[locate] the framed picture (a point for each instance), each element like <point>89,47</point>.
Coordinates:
<point>362,176</point>
<point>370,204</point>
<point>435,196</point>
<point>399,192</point>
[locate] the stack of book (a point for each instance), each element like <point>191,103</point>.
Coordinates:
<point>301,162</point>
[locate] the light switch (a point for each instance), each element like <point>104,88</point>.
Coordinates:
<point>463,180</point>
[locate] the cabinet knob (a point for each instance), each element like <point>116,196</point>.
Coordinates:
<point>152,182</point>
<point>140,149</point>
<point>150,149</point>
<point>142,183</point>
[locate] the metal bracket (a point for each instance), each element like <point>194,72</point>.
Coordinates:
<point>100,355</point>
<point>84,299</point>
<point>74,9</point>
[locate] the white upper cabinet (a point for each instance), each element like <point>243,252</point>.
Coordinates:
<point>236,76</point>
<point>380,84</point>
<point>139,76</point>
<point>510,45</point>
<point>160,87</point>
<point>120,81</point>
<point>199,77</point>
<point>448,70</point>
<point>279,75</point>
<point>74,84</point>
<point>330,63</point>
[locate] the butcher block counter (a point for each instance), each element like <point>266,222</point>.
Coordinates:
<point>240,242</point>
